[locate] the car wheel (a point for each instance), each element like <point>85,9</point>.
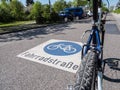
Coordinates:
<point>71,19</point>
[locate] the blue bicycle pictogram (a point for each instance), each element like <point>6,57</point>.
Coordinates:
<point>65,48</point>
<point>62,48</point>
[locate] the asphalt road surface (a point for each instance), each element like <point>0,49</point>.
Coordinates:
<point>20,74</point>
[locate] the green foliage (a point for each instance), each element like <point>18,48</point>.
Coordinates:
<point>11,11</point>
<point>54,17</point>
<point>117,11</point>
<point>104,8</point>
<point>78,3</point>
<point>36,9</point>
<point>59,5</point>
<point>5,15</point>
<point>14,10</point>
<point>46,8</point>
<point>46,16</point>
<point>49,17</point>
<point>46,12</point>
<point>17,10</point>
<point>69,4</point>
<point>36,12</point>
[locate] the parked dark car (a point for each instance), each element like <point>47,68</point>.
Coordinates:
<point>72,13</point>
<point>66,16</point>
<point>77,12</point>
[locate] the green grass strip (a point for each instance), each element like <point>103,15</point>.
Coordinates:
<point>15,23</point>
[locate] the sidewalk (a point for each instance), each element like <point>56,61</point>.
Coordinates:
<point>117,18</point>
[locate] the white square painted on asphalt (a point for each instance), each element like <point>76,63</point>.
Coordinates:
<point>61,54</point>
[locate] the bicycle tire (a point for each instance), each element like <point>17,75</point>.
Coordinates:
<point>86,74</point>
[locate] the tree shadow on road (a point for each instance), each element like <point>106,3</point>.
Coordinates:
<point>112,70</point>
<point>34,33</point>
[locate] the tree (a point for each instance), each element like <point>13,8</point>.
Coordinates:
<point>78,3</point>
<point>36,12</point>
<point>69,4</point>
<point>5,15</point>
<point>59,5</point>
<point>29,2</point>
<point>17,10</point>
<point>46,8</point>
<point>46,12</point>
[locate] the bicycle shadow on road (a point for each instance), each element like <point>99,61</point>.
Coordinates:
<point>112,70</point>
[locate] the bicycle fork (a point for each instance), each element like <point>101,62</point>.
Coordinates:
<point>100,76</point>
<point>100,71</point>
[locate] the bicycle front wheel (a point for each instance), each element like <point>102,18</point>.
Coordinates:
<point>86,75</point>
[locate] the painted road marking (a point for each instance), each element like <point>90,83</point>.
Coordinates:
<point>61,54</point>
<point>62,48</point>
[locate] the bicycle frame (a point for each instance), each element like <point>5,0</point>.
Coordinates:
<point>96,44</point>
<point>95,41</point>
<point>96,28</point>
